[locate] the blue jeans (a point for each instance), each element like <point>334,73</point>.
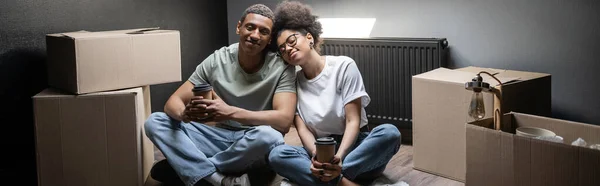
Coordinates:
<point>367,159</point>
<point>196,150</point>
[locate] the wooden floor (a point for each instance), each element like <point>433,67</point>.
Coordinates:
<point>398,172</point>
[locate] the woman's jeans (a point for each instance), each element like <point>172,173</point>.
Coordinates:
<point>367,159</point>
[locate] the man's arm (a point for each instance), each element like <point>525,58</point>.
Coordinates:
<point>177,102</point>
<point>280,118</point>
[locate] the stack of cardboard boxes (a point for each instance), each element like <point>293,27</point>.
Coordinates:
<point>450,144</point>
<point>89,123</point>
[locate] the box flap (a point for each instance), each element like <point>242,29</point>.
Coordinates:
<point>475,69</point>
<point>505,74</point>
<point>448,75</point>
<point>51,93</point>
<point>86,34</point>
<point>460,76</point>
<point>501,74</point>
<point>134,30</point>
<point>55,93</point>
<point>502,79</point>
<point>143,30</point>
<point>122,91</point>
<point>62,34</point>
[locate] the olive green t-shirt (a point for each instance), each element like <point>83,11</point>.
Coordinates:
<point>237,88</point>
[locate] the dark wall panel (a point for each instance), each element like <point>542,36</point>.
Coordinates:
<point>23,25</point>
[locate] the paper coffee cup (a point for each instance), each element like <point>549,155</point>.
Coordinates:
<point>325,149</point>
<point>203,90</point>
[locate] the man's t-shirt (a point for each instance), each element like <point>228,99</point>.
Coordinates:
<point>237,88</point>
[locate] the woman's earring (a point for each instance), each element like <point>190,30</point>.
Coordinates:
<point>311,45</point>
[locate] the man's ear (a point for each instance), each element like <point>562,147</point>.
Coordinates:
<point>237,28</point>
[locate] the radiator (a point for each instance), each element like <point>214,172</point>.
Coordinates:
<point>387,66</point>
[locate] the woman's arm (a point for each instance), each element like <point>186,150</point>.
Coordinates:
<point>306,136</point>
<point>352,127</point>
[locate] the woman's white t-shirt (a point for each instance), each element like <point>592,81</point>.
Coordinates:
<point>321,100</point>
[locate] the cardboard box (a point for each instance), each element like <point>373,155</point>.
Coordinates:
<point>92,139</point>
<point>440,110</point>
<point>496,157</point>
<point>85,62</point>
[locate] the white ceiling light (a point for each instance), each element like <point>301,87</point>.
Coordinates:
<point>347,27</point>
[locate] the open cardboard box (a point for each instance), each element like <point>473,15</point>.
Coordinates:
<point>440,107</point>
<point>501,158</point>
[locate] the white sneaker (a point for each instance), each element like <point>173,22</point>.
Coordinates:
<point>402,183</point>
<point>236,181</point>
<point>286,182</point>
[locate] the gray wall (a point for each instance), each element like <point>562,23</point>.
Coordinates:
<point>23,25</point>
<point>551,36</point>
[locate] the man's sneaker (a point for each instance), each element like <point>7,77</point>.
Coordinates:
<point>286,182</point>
<point>236,181</point>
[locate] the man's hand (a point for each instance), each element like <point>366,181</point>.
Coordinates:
<point>218,109</point>
<point>194,111</point>
<point>185,118</point>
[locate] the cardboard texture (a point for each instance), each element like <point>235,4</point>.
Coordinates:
<point>92,139</point>
<point>502,158</point>
<point>85,62</point>
<point>440,110</point>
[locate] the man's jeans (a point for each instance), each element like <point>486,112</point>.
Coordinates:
<point>195,150</point>
<point>369,157</point>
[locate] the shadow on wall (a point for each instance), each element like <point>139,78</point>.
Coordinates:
<point>450,62</point>
<point>22,75</point>
<point>455,59</point>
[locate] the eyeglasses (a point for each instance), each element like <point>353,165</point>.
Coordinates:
<point>289,41</point>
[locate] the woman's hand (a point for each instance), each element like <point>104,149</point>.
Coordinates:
<point>316,168</point>
<point>337,159</point>
<point>332,170</point>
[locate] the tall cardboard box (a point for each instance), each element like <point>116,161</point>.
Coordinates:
<point>440,105</point>
<point>502,158</point>
<point>84,62</point>
<point>92,139</point>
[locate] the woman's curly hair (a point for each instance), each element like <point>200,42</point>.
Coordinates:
<point>296,16</point>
